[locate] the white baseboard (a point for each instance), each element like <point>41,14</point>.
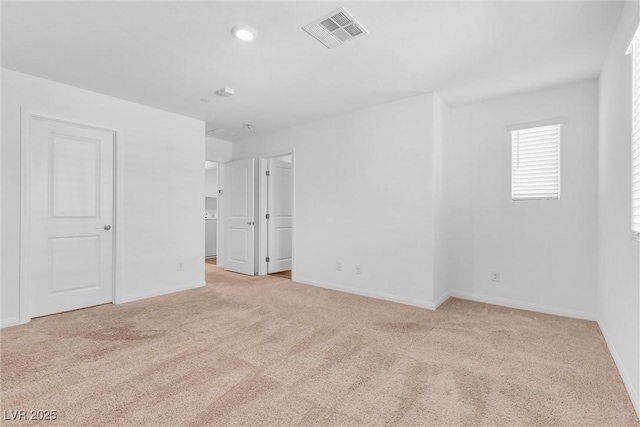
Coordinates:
<point>366,293</point>
<point>626,379</point>
<point>439,301</point>
<point>159,292</point>
<point>524,305</point>
<point>10,322</point>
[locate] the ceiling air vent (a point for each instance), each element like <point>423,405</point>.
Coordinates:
<point>220,133</point>
<point>335,28</point>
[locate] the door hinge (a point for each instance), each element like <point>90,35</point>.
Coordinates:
<point>267,216</point>
<point>267,259</point>
<point>268,173</point>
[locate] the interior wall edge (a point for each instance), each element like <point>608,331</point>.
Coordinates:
<point>618,258</point>
<point>442,298</point>
<point>626,378</point>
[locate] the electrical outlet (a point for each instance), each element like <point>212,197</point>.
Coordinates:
<point>495,276</point>
<point>181,266</point>
<point>338,266</point>
<point>358,269</point>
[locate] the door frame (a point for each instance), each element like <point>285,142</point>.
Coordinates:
<point>263,190</point>
<point>222,214</point>
<point>218,194</point>
<point>26,115</point>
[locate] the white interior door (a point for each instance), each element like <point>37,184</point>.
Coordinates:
<point>280,210</point>
<point>70,242</point>
<point>240,218</point>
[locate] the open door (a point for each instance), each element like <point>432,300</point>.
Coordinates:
<point>280,209</point>
<point>240,219</point>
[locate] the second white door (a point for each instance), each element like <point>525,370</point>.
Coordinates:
<point>280,222</point>
<point>239,196</point>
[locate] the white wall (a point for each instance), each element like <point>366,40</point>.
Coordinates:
<point>217,150</point>
<point>363,195</point>
<point>211,181</point>
<point>161,169</point>
<point>441,253</point>
<point>545,250</point>
<point>619,255</point>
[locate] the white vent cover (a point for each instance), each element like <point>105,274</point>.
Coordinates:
<point>335,28</point>
<point>220,133</point>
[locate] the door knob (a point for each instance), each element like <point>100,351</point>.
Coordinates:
<point>106,227</point>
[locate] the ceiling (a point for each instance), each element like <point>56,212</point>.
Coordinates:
<point>169,55</point>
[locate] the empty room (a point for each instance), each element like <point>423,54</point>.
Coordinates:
<point>368,213</point>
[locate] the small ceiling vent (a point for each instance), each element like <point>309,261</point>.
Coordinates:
<point>220,133</point>
<point>335,28</point>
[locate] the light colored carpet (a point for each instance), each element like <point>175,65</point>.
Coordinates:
<point>282,274</point>
<point>266,351</point>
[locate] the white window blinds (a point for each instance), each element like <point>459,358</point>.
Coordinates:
<point>535,163</point>
<point>634,49</point>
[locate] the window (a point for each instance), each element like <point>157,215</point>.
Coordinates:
<point>634,50</point>
<point>535,163</point>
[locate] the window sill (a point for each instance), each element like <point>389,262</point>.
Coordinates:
<point>533,199</point>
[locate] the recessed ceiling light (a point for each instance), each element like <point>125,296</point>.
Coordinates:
<point>244,32</point>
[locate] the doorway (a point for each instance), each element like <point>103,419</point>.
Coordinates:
<point>68,210</point>
<point>211,210</point>
<point>278,219</point>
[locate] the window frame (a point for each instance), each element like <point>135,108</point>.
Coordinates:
<point>556,121</point>
<point>634,52</point>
